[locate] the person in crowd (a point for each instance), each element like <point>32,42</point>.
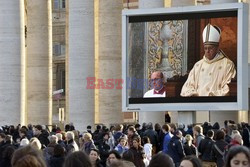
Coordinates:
<point>175,148</point>
<point>198,135</point>
<point>96,133</point>
<point>94,157</point>
<point>77,159</point>
<point>60,140</point>
<point>227,137</point>
<point>189,147</point>
<point>211,75</point>
<point>190,129</point>
<point>216,127</point>
<point>41,135</point>
<point>58,157</point>
<point>160,160</point>
<point>128,159</point>
<point>143,129</point>
<point>15,133</point>
<point>234,132</point>
<point>2,143</point>
<point>219,148</point>
<point>246,134</point>
<point>173,128</point>
<point>104,148</point>
<point>117,163</point>
<point>112,157</point>
<point>181,127</point>
<point>7,156</point>
<point>153,136</point>
<point>238,156</point>
<point>122,146</point>
<point>53,131</point>
<point>26,157</point>
<point>138,129</point>
<point>157,83</point>
<point>236,141</point>
<point>89,129</point>
<point>147,148</point>
<point>118,133</point>
<point>111,141</point>
<point>205,150</point>
<point>23,134</point>
<point>35,143</point>
<point>88,143</point>
<point>131,135</point>
<point>77,135</point>
<point>138,152</point>
<point>24,142</point>
<point>30,132</point>
<point>49,150</point>
<point>8,142</point>
<point>167,137</point>
<point>71,145</point>
<point>160,135</point>
<point>191,161</point>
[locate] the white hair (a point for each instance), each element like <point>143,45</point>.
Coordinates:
<point>70,135</point>
<point>24,142</point>
<point>53,139</point>
<point>59,136</point>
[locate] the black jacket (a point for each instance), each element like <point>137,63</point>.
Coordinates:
<point>221,144</point>
<point>56,161</point>
<point>205,149</point>
<point>43,138</point>
<point>190,150</point>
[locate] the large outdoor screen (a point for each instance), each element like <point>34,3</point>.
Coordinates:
<point>166,63</point>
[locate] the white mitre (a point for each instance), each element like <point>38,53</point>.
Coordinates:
<point>211,35</point>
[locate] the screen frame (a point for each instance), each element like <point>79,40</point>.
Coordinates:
<point>242,59</point>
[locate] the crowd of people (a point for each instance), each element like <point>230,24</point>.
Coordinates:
<point>145,145</point>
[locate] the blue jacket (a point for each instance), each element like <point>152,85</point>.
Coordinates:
<point>175,149</point>
<point>166,141</point>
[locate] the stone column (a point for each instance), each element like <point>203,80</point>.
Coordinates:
<point>39,62</point>
<point>109,60</point>
<point>12,53</point>
<point>154,117</point>
<point>80,63</point>
<point>243,116</point>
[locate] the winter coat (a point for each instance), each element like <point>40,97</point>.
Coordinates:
<point>175,149</point>
<point>219,154</point>
<point>138,156</point>
<point>205,149</point>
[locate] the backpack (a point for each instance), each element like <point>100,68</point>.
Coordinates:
<point>224,153</point>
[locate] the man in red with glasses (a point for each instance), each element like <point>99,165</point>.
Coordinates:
<point>157,84</point>
<point>211,75</point>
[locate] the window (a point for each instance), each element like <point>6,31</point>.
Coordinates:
<point>58,49</point>
<point>60,77</point>
<point>63,4</point>
<point>59,4</point>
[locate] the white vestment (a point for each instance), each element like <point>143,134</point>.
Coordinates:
<point>151,93</point>
<point>210,77</point>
